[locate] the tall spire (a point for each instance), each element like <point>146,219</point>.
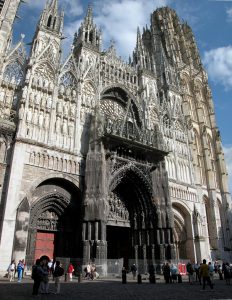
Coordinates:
<point>51,18</point>
<point>89,16</point>
<point>88,33</point>
<point>54,5</point>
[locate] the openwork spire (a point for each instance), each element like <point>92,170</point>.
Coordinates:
<point>51,18</point>
<point>89,16</point>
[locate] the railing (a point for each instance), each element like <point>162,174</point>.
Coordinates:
<point>152,138</point>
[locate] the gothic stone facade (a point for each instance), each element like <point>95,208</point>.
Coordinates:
<point>105,159</point>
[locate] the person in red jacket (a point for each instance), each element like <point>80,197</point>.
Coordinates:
<point>70,272</point>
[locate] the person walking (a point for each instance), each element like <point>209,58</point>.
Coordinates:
<point>20,267</point>
<point>211,271</point>
<point>58,273</point>
<point>70,271</point>
<point>166,272</point>
<point>204,272</point>
<point>190,271</point>
<point>11,270</point>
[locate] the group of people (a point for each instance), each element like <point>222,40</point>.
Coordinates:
<point>170,272</point>
<point>91,271</point>
<point>41,272</point>
<point>14,269</point>
<point>212,269</point>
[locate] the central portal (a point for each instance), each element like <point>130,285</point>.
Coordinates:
<point>119,243</point>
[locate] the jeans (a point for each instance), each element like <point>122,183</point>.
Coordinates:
<point>20,274</point>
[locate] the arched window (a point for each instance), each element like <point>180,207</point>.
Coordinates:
<point>13,73</point>
<point>49,21</point>
<point>199,158</point>
<point>54,23</point>
<point>212,159</point>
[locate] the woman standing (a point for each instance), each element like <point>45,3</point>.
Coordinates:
<point>70,271</point>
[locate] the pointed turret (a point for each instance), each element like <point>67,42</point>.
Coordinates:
<point>49,29</point>
<point>88,34</point>
<point>51,19</point>
<point>89,16</point>
<point>54,5</point>
<point>141,55</point>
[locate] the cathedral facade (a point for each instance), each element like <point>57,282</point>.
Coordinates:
<point>102,159</point>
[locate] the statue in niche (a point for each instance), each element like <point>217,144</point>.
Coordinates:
<point>59,107</point>
<point>74,93</point>
<point>35,117</point>
<point>24,95</point>
<point>61,89</point>
<point>21,112</point>
<point>71,129</point>
<point>46,122</point>
<point>68,92</point>
<point>31,97</point>
<point>66,109</point>
<point>8,99</point>
<point>49,102</point>
<point>46,83</point>
<point>28,75</point>
<point>58,125</point>
<point>2,95</point>
<point>13,80</point>
<point>65,127</point>
<point>37,99</point>
<point>41,117</point>
<point>51,86</point>
<point>43,102</point>
<point>72,110</point>
<point>29,115</point>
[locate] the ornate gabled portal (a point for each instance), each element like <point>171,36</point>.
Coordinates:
<point>127,208</point>
<point>55,221</point>
<point>132,216</point>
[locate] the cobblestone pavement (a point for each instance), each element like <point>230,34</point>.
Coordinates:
<point>115,290</point>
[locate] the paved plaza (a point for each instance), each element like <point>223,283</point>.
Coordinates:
<point>114,290</point>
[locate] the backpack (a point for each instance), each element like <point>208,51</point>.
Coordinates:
<point>58,272</point>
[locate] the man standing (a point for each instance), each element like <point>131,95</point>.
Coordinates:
<point>204,272</point>
<point>36,276</point>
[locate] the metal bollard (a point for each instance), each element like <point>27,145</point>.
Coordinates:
<point>79,278</point>
<point>139,279</point>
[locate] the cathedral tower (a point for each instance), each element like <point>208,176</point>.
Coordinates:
<point>8,10</point>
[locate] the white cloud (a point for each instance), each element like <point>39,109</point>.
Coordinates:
<point>228,158</point>
<point>229,14</point>
<point>119,21</point>
<point>71,7</point>
<point>219,65</point>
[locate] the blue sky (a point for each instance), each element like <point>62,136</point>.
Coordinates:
<point>211,22</point>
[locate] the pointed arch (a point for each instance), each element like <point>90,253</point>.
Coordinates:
<point>44,70</point>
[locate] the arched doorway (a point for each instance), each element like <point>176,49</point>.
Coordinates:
<point>132,219</point>
<point>183,232</point>
<point>55,220</point>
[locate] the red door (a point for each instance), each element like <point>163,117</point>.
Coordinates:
<point>44,244</point>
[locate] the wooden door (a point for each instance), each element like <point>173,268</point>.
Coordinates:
<point>44,244</point>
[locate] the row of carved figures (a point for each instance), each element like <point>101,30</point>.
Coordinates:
<point>54,162</point>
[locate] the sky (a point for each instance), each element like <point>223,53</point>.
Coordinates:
<point>211,22</point>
